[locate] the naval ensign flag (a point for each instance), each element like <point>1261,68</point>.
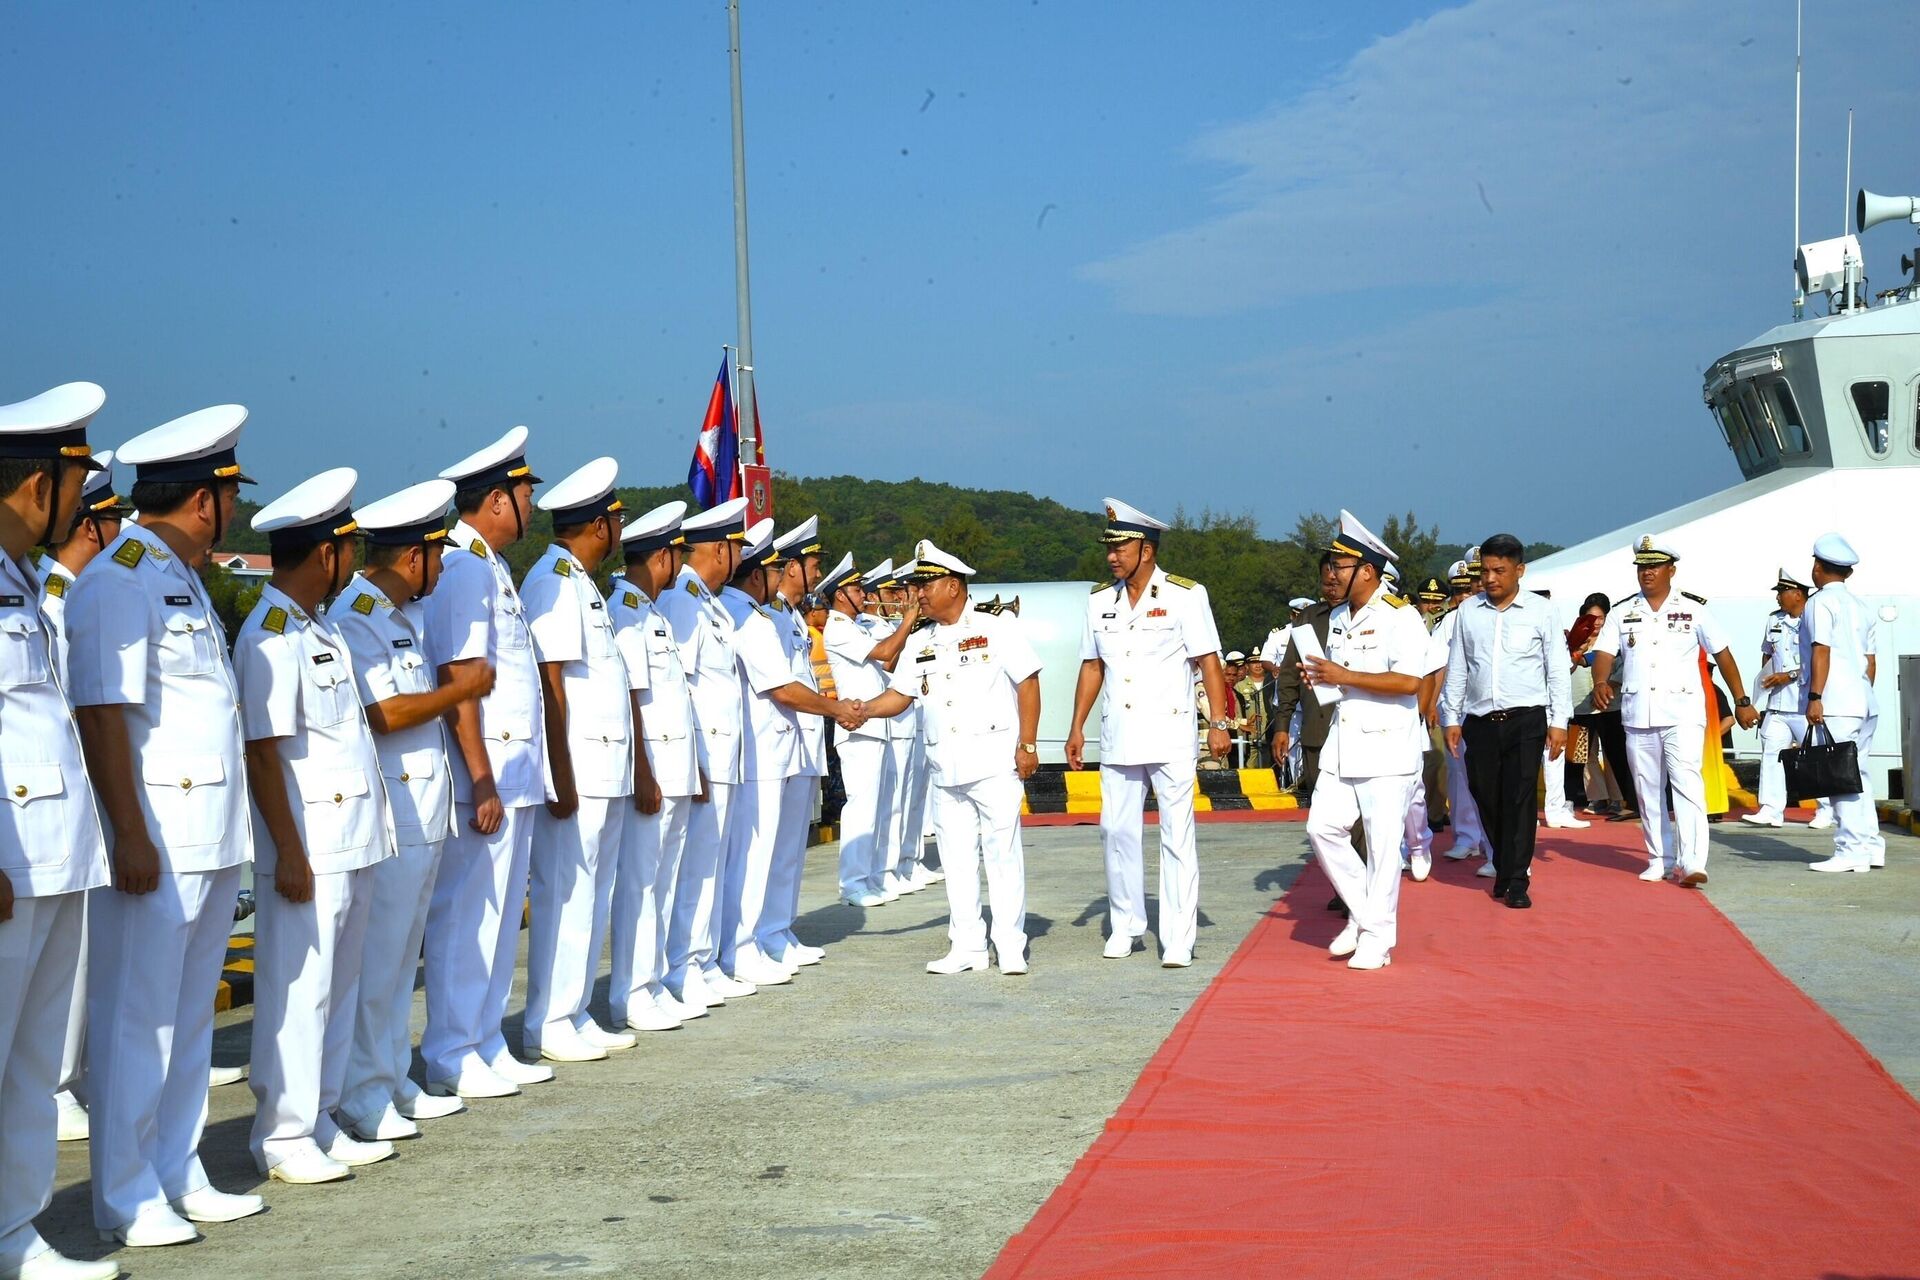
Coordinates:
<point>714,476</point>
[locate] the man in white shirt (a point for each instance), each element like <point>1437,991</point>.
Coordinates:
<point>1658,635</point>
<point>1508,692</point>
<point>861,660</point>
<point>1780,697</point>
<point>1836,646</point>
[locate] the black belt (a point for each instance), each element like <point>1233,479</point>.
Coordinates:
<point>1508,713</point>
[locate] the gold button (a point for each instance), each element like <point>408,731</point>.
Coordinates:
<point>186,784</point>
<point>20,791</point>
<point>406,777</point>
<point>337,797</point>
<point>505,736</point>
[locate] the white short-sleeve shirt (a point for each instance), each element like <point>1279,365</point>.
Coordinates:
<point>965,676</point>
<point>771,737</point>
<point>1837,618</point>
<point>1149,650</point>
<point>568,617</point>
<point>666,704</point>
<point>703,631</point>
<point>1376,734</point>
<point>1658,651</point>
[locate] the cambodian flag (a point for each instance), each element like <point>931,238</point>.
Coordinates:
<point>714,476</point>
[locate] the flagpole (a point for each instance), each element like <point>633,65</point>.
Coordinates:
<point>743,401</point>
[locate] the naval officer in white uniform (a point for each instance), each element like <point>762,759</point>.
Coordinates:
<point>703,631</point>
<point>590,747</point>
<point>861,659</point>
<point>1378,655</point>
<point>320,826</point>
<point>1146,634</point>
<point>1837,656</point>
<point>666,782</point>
<point>979,681</point>
<point>158,710</point>
<point>94,529</point>
<point>907,747</point>
<point>475,617</point>
<point>1657,635</point>
<point>1780,696</point>
<point>382,617</point>
<point>51,846</point>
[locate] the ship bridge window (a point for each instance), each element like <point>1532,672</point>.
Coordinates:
<point>1872,401</point>
<point>1740,436</point>
<point>1793,432</point>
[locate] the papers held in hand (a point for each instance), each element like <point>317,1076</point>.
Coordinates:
<point>1307,645</point>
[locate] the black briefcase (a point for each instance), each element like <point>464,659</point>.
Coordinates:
<point>1821,769</point>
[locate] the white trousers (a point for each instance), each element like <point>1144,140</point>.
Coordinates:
<point>911,808</point>
<point>39,954</point>
<point>1418,837</point>
<point>1778,731</point>
<point>1554,772</point>
<point>979,823</point>
<point>775,933</point>
<point>1123,793</point>
<point>574,862</point>
<point>73,1056</point>
<point>306,977</point>
<point>650,852</point>
<point>1371,889</point>
<point>401,888</point>
<point>866,773</point>
<point>1857,836</point>
<point>1462,812</point>
<point>473,937</point>
<point>696,895</point>
<point>153,966</point>
<point>1663,758</point>
<point>755,836</point>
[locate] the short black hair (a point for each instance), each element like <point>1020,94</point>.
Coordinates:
<point>1597,598</point>
<point>1506,547</point>
<point>15,472</point>
<point>467,500</point>
<point>1840,571</point>
<point>571,530</point>
<point>384,555</point>
<point>163,497</point>
<point>292,556</point>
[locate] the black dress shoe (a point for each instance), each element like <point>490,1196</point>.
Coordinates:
<point>1336,905</point>
<point>1517,898</point>
<point>1500,888</point>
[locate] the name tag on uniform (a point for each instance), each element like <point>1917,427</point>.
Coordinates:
<point>179,599</point>
<point>321,659</point>
<point>662,634</point>
<point>926,655</point>
<point>595,605</point>
<point>403,644</point>
<point>13,602</point>
<point>1109,615</point>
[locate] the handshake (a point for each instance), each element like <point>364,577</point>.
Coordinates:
<point>850,715</point>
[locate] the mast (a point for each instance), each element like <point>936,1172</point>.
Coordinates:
<point>1799,297</point>
<point>743,401</point>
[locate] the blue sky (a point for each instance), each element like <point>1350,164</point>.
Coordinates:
<point>1256,257</point>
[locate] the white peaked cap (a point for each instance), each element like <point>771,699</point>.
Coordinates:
<point>836,577</point>
<point>716,523</point>
<point>1835,550</point>
<point>196,446</point>
<point>52,423</point>
<point>880,573</point>
<point>759,540</point>
<point>418,513</point>
<point>320,501</point>
<point>657,527</point>
<point>1458,569</point>
<point>1355,539</point>
<point>584,494</point>
<point>501,462</point>
<point>1125,521</point>
<point>931,562</point>
<point>1299,602</point>
<point>1654,549</point>
<point>802,539</point>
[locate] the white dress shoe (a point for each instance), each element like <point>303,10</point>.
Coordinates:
<point>1877,860</point>
<point>1344,944</point>
<point>388,1126</point>
<point>889,895</point>
<point>647,1015</point>
<point>1013,966</point>
<point>664,1001</point>
<point>1176,959</point>
<point>752,967</point>
<point>414,1104</point>
<point>1371,954</point>
<point>307,1167</point>
<point>723,986</point>
<point>211,1205</point>
<point>73,1125</point>
<point>48,1265</point>
<point>559,1042</point>
<point>593,1033</point>
<point>1461,852</point>
<point>225,1075</point>
<point>1486,870</point>
<point>802,954</point>
<point>958,962</point>
<point>1821,821</point>
<point>153,1229</point>
<point>508,1067</point>
<point>693,990</point>
<point>353,1153</point>
<point>935,875</point>
<point>476,1080</point>
<point>922,876</point>
<point>863,899</point>
<point>1421,864</point>
<point>1839,865</point>
<point>898,885</point>
<point>1118,947</point>
<point>1763,818</point>
<point>1655,871</point>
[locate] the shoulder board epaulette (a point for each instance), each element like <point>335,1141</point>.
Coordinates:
<point>563,567</point>
<point>130,552</point>
<point>275,621</point>
<point>779,604</point>
<point>1098,587</point>
<point>56,586</point>
<point>1696,599</point>
<point>478,548</point>
<point>363,605</point>
<point>693,590</point>
<point>1398,602</point>
<point>1179,581</point>
<point>631,599</point>
<point>1622,600</point>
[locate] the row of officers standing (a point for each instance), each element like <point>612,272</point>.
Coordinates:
<point>414,753</point>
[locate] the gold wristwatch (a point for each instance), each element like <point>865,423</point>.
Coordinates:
<point>1030,748</point>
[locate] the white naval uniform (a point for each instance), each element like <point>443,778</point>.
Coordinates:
<point>1664,710</point>
<point>866,759</point>
<point>52,852</point>
<point>703,632</point>
<point>575,859</point>
<point>654,843</point>
<point>387,646</point>
<point>55,581</point>
<point>146,640</point>
<point>1837,618</point>
<point>1783,721</point>
<point>1371,760</point>
<point>897,844</point>
<point>1418,836</point>
<point>775,934</point>
<point>770,756</point>
<point>966,675</point>
<point>1463,815</point>
<point>473,922</point>
<point>297,691</point>
<point>1149,651</point>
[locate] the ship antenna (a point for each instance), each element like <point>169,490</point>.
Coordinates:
<point>1799,295</point>
<point>1846,192</point>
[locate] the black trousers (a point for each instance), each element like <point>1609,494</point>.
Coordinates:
<point>1503,773</point>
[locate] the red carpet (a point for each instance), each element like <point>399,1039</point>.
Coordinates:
<point>1614,1084</point>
